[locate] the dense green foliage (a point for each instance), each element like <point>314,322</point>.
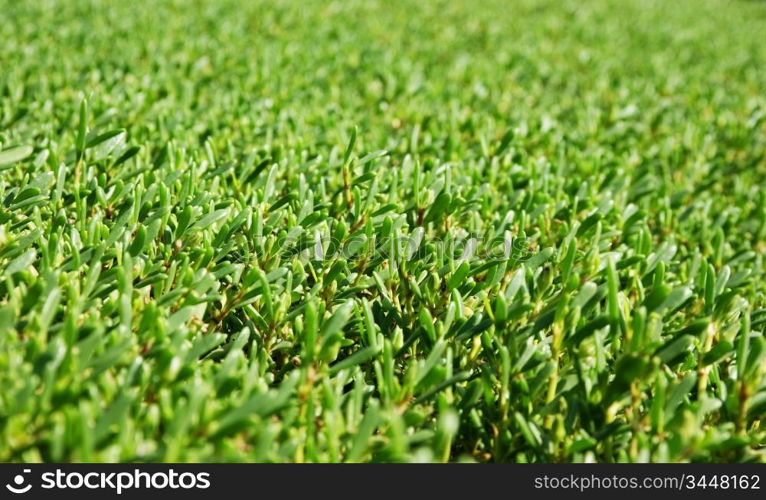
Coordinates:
<point>387,231</point>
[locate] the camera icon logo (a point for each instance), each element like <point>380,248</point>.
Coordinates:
<point>17,486</point>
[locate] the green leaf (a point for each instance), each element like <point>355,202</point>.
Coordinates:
<point>719,351</point>
<point>14,155</point>
<point>675,348</point>
<point>21,262</point>
<point>438,208</point>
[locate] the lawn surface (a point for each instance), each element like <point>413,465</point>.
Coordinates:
<point>382,231</point>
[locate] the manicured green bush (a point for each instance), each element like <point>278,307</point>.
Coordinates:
<point>382,231</point>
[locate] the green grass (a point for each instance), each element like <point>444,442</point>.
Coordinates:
<point>382,231</point>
